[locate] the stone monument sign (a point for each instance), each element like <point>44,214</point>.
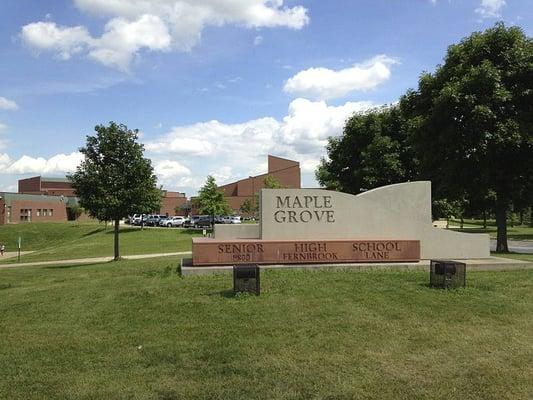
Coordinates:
<point>387,224</point>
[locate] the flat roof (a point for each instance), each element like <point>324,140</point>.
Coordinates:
<point>55,179</point>
<point>9,197</point>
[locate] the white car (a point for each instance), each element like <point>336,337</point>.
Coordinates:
<point>234,219</point>
<point>173,221</point>
<point>136,219</point>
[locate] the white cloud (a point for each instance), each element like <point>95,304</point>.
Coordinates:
<point>156,25</point>
<point>58,164</point>
<point>64,41</point>
<point>308,124</point>
<point>119,44</point>
<point>122,40</point>
<point>324,83</point>
<point>170,169</point>
<point>5,161</point>
<point>234,151</point>
<point>6,104</point>
<point>3,127</point>
<point>258,40</point>
<point>490,8</point>
<point>171,173</point>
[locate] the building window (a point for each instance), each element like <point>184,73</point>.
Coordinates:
<point>38,212</point>
<point>25,214</point>
<point>45,212</point>
<point>8,214</point>
<point>51,212</point>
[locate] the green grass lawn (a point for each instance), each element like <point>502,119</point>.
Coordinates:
<point>516,256</point>
<point>522,232</point>
<point>136,330</point>
<point>63,241</point>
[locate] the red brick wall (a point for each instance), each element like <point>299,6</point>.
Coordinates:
<point>287,172</point>
<point>57,188</point>
<point>169,204</point>
<point>30,185</point>
<point>278,163</point>
<point>59,211</point>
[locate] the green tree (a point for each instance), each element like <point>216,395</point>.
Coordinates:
<point>74,211</point>
<point>249,206</point>
<point>114,180</point>
<point>271,182</point>
<point>374,150</point>
<point>211,200</point>
<point>473,121</point>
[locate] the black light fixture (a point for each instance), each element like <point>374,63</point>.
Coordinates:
<point>446,274</point>
<point>246,278</point>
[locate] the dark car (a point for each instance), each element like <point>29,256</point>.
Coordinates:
<point>153,220</point>
<point>198,221</point>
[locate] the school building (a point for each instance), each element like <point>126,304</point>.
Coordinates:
<point>287,172</point>
<point>44,199</point>
<point>48,199</point>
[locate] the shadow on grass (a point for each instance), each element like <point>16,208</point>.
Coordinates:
<point>192,231</point>
<point>228,294</point>
<point>473,230</point>
<point>520,236</point>
<point>123,230</point>
<point>93,232</point>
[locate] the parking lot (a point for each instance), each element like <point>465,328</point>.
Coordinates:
<point>194,222</point>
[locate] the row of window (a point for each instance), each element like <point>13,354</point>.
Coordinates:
<point>25,213</point>
<point>45,212</point>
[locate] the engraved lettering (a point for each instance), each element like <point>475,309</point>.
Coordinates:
<point>283,203</point>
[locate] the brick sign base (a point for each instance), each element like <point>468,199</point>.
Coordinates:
<point>207,251</point>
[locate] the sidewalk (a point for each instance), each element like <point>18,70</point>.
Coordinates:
<point>95,260</point>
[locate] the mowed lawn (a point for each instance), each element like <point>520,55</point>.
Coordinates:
<point>136,330</point>
<point>70,240</point>
<point>516,232</point>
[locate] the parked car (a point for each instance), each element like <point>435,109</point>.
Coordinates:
<point>137,218</point>
<point>153,220</point>
<point>233,219</point>
<point>172,221</point>
<point>198,221</point>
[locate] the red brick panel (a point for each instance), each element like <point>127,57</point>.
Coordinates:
<point>41,211</point>
<point>30,185</point>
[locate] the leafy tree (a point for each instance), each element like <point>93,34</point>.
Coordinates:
<point>114,180</point>
<point>374,150</point>
<point>442,208</point>
<point>473,120</point>
<point>249,206</point>
<point>271,182</point>
<point>211,200</point>
<point>74,211</point>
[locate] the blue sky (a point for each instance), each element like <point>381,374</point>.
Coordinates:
<point>213,85</point>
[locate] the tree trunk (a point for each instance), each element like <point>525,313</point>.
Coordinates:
<point>531,216</point>
<point>484,219</point>
<point>462,222</point>
<point>117,252</point>
<point>521,216</point>
<point>501,224</point>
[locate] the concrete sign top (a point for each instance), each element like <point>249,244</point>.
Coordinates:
<point>388,212</point>
<point>400,211</point>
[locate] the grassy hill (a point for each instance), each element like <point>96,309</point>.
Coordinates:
<point>136,330</point>
<point>69,240</point>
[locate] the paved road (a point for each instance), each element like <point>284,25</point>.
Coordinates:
<point>518,246</point>
<point>94,260</point>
